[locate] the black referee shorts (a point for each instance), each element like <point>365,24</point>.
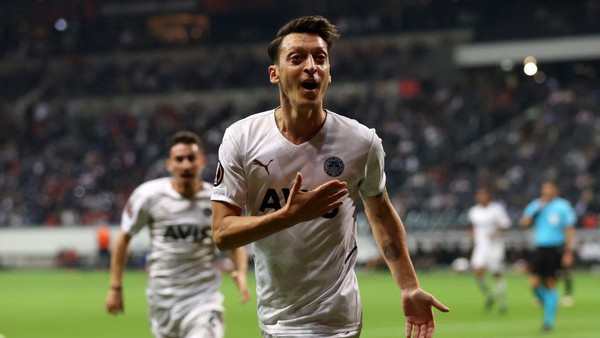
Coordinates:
<point>546,261</point>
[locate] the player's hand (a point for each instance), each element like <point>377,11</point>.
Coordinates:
<point>242,285</point>
<point>114,302</point>
<point>417,305</point>
<point>304,206</point>
<point>567,259</point>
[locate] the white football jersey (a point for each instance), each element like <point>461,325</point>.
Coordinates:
<point>182,265</point>
<point>306,283</point>
<point>487,223</point>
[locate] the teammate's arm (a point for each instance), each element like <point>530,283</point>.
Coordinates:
<point>390,236</point>
<point>239,257</point>
<point>502,222</point>
<point>471,229</point>
<point>114,299</point>
<point>531,213</point>
<point>231,230</point>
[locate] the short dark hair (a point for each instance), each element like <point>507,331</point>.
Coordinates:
<point>314,24</point>
<point>185,137</point>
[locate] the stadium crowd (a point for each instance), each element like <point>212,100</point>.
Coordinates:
<point>75,140</point>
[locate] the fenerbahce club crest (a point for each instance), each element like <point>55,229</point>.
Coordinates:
<point>334,166</point>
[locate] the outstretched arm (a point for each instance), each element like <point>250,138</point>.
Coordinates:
<point>231,230</point>
<point>114,299</point>
<point>390,236</point>
<point>239,257</point>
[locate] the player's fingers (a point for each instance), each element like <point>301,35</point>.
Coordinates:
<point>438,305</point>
<point>416,331</point>
<point>297,183</point>
<point>245,295</point>
<point>338,194</point>
<point>423,331</point>
<point>113,309</point>
<point>332,186</point>
<point>409,328</point>
<point>430,331</point>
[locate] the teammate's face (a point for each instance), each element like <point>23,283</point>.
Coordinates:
<point>185,163</point>
<point>302,71</point>
<point>482,197</point>
<point>549,192</point>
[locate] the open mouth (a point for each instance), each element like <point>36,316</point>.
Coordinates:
<point>187,175</point>
<point>309,84</point>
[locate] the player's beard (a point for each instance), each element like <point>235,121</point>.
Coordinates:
<point>187,185</point>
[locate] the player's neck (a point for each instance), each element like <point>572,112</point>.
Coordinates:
<point>186,190</point>
<point>299,125</point>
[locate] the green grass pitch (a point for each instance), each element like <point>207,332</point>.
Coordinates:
<point>70,304</point>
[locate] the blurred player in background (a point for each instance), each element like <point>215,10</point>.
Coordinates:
<point>296,171</point>
<point>103,241</point>
<point>183,292</point>
<point>553,219</point>
<point>587,210</point>
<point>489,220</point>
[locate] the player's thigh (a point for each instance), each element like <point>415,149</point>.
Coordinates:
<point>547,261</point>
<point>496,260</point>
<point>478,258</point>
<point>554,263</point>
<point>203,324</point>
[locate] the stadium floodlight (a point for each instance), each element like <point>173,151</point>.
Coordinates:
<point>530,69</point>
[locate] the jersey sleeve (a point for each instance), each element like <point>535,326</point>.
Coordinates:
<point>374,181</point>
<point>230,184</point>
<point>531,209</point>
<point>471,216</point>
<point>135,214</point>
<point>504,221</point>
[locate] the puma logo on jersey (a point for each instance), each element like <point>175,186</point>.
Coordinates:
<point>260,164</point>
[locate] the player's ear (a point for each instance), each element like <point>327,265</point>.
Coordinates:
<point>273,74</point>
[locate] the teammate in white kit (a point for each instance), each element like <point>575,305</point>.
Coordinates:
<point>288,181</point>
<point>183,292</point>
<point>489,220</point>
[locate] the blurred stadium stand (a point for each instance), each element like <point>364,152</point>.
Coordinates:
<point>89,91</point>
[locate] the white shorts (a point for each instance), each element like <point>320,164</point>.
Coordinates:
<point>490,258</point>
<point>349,334</point>
<point>199,322</point>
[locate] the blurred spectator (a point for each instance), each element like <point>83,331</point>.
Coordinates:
<point>79,128</point>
